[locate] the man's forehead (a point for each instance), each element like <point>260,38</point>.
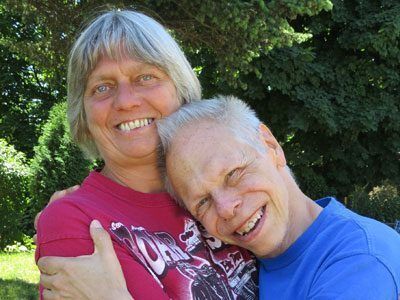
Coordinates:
<point>200,131</point>
<point>192,170</point>
<point>196,141</point>
<point>204,147</point>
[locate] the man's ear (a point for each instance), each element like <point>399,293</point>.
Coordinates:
<point>272,145</point>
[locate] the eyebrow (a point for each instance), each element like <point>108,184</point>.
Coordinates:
<point>141,66</point>
<point>96,78</point>
<point>231,158</point>
<point>243,157</point>
<point>243,161</point>
<point>197,196</point>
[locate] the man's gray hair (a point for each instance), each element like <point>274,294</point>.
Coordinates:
<point>229,111</point>
<point>118,34</point>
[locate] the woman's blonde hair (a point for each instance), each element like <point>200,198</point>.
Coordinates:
<point>117,34</point>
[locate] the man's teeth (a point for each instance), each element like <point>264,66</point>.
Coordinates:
<point>246,228</point>
<point>127,126</point>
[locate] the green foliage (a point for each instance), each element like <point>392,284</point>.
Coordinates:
<point>14,175</point>
<point>26,245</point>
<point>333,100</point>
<point>232,31</point>
<point>25,97</point>
<point>58,163</point>
<point>381,203</point>
<point>228,35</point>
<point>324,77</point>
<point>35,38</point>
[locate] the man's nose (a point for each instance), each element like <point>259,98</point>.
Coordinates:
<point>227,205</point>
<point>127,97</point>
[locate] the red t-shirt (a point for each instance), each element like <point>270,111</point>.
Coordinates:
<point>163,251</point>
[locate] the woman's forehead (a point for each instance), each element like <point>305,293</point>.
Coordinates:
<point>126,64</point>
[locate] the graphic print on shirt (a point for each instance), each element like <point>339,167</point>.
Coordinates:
<point>206,282</point>
<point>159,252</point>
<point>238,270</point>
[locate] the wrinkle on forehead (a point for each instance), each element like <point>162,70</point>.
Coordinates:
<point>198,162</point>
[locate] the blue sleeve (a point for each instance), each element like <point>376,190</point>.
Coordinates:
<point>355,277</point>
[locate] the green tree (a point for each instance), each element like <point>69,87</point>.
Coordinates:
<point>325,80</point>
<point>334,100</point>
<point>25,97</point>
<point>35,38</point>
<point>233,31</point>
<point>58,163</point>
<point>14,175</point>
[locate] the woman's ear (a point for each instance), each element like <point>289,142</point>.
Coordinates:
<point>272,144</point>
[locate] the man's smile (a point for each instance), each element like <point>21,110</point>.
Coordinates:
<point>251,223</point>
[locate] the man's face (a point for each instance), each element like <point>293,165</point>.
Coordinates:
<point>237,192</point>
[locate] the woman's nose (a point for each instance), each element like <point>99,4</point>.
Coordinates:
<point>127,97</point>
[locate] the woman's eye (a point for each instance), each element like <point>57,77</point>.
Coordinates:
<point>146,77</point>
<point>101,89</point>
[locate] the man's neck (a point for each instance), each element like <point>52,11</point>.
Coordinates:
<point>304,211</point>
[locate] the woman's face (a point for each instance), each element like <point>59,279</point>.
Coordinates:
<point>122,100</point>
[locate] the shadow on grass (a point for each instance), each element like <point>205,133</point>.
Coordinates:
<point>11,289</point>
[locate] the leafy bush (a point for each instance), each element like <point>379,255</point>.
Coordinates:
<point>312,184</point>
<point>25,245</point>
<point>14,174</point>
<point>382,203</point>
<point>58,163</point>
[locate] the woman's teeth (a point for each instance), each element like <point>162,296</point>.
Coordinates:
<point>251,224</point>
<point>127,126</point>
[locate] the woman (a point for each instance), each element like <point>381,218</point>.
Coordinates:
<point>125,72</point>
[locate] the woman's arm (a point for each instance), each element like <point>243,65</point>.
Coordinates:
<point>64,231</point>
<point>96,276</point>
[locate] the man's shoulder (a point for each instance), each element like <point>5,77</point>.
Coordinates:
<point>350,235</point>
<point>358,248</point>
<point>356,237</point>
<point>343,224</point>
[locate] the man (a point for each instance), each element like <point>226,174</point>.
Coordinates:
<point>231,174</point>
<point>229,171</point>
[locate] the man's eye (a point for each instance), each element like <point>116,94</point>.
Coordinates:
<point>202,202</point>
<point>201,207</point>
<point>233,173</point>
<point>233,176</point>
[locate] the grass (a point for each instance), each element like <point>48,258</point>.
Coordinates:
<point>19,276</point>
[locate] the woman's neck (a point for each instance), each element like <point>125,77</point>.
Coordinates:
<point>143,178</point>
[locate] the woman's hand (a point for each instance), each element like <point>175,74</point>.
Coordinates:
<point>96,276</point>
